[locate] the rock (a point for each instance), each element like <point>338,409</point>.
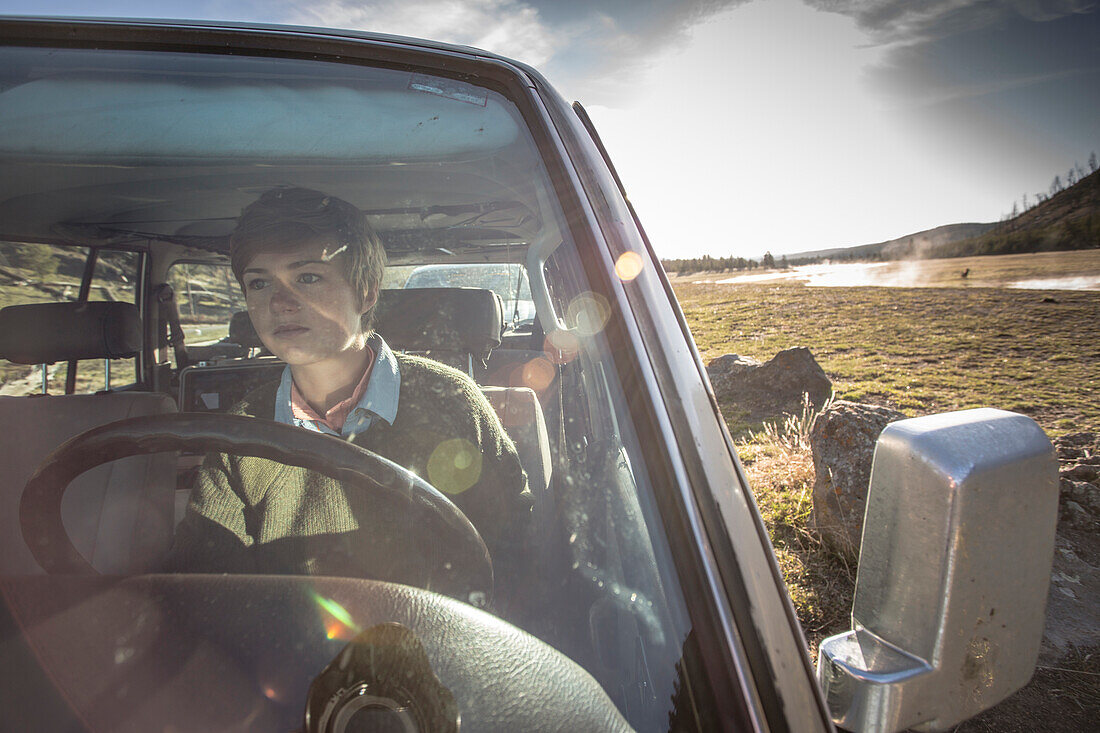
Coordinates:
<point>1078,440</point>
<point>1077,446</point>
<point>772,388</point>
<point>731,364</point>
<point>1074,594</point>
<point>1083,492</point>
<point>1081,472</point>
<point>1071,623</point>
<point>843,442</point>
<point>790,374</point>
<point>1073,514</point>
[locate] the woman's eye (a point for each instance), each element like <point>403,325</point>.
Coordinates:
<point>308,278</point>
<point>256,284</point>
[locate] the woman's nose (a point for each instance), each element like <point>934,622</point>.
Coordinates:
<point>283,298</point>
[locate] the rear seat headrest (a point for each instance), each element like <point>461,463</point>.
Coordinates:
<point>44,333</point>
<point>468,320</point>
<point>242,332</point>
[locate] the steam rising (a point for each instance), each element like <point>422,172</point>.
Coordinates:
<point>1059,283</point>
<point>914,274</point>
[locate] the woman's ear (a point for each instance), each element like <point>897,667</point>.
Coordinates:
<point>368,301</point>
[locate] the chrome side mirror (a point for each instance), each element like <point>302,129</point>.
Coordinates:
<point>953,575</point>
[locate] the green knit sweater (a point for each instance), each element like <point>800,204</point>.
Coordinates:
<point>255,515</point>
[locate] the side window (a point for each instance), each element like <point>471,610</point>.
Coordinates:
<point>207,296</point>
<point>45,273</point>
<point>115,276</point>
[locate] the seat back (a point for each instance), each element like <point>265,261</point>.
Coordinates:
<point>457,326</point>
<point>521,414</point>
<point>242,332</point>
<point>118,515</point>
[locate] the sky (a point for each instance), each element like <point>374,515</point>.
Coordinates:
<point>745,126</point>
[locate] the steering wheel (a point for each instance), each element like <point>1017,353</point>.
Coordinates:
<point>454,554</point>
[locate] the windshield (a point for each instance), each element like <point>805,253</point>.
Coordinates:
<point>227,231</point>
<point>508,281</point>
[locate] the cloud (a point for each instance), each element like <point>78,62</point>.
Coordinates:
<point>594,47</point>
<point>903,20</point>
<point>508,27</point>
<point>931,93</point>
<point>950,51</point>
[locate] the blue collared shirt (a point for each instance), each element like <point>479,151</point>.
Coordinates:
<point>379,401</point>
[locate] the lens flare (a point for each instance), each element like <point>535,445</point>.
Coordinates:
<point>561,347</point>
<point>629,266</point>
<point>336,630</point>
<point>334,609</point>
<point>538,374</point>
<point>335,619</point>
<point>454,466</point>
<point>589,311</point>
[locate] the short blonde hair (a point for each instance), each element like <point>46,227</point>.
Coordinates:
<point>283,219</point>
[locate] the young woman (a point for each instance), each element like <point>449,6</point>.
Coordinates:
<point>310,268</point>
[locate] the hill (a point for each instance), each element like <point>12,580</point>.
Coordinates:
<point>1069,219</point>
<point>907,247</point>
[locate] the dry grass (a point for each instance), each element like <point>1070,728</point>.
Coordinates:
<point>920,350</point>
<point>780,467</point>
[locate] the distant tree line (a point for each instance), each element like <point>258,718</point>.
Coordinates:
<point>706,263</point>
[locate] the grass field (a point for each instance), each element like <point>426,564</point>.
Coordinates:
<point>921,349</point>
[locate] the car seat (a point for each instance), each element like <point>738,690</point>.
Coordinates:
<point>118,515</point>
<point>457,326</point>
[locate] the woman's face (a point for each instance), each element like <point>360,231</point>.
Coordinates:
<point>303,307</point>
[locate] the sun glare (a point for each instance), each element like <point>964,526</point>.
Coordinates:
<point>768,140</point>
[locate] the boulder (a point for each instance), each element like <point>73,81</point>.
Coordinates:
<point>1088,472</point>
<point>772,388</point>
<point>1075,578</point>
<point>843,442</point>
<point>731,364</point>
<point>1074,594</point>
<point>1086,497</point>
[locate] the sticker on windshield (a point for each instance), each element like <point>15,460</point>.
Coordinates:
<point>449,88</point>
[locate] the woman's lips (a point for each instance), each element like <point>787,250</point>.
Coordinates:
<point>290,330</point>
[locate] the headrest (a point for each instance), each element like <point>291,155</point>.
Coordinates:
<point>43,333</point>
<point>468,320</point>
<point>242,332</point>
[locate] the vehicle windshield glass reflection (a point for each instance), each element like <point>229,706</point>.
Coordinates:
<point>484,379</point>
